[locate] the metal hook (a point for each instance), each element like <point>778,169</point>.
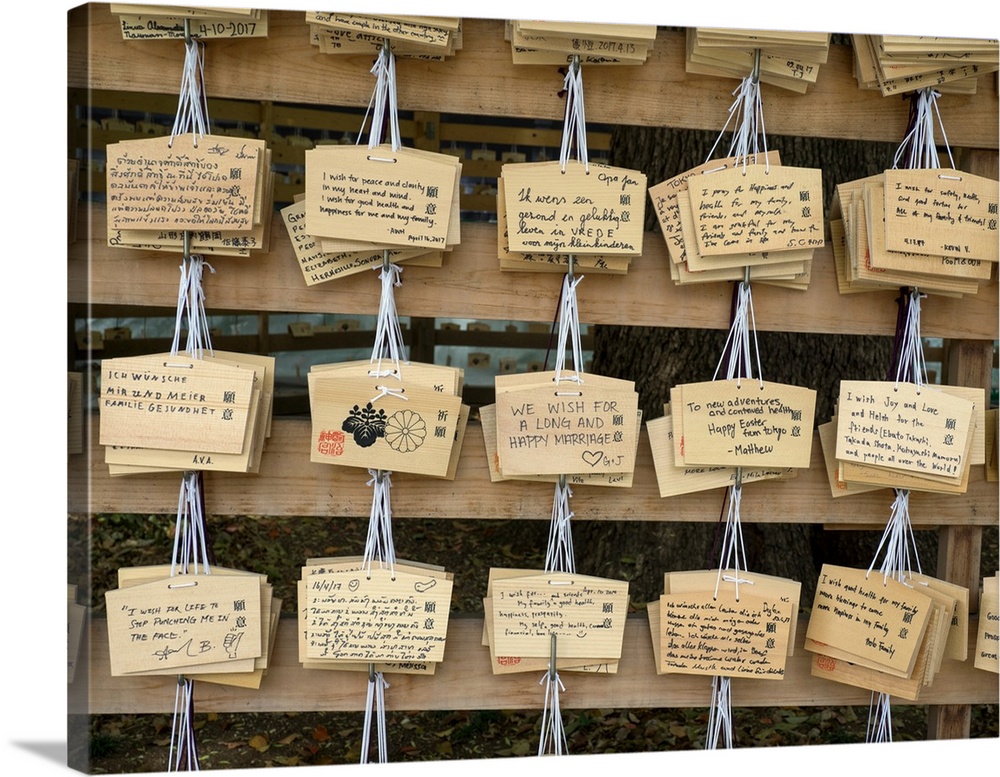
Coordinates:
<point>739,478</point>
<point>187,32</point>
<point>552,657</point>
<point>385,260</point>
<point>569,267</point>
<point>371,672</point>
<point>755,73</point>
<point>187,244</point>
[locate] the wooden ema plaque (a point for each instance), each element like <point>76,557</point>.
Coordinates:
<point>187,182</point>
<point>673,479</point>
<point>406,421</point>
<point>941,212</point>
<point>901,426</point>
<point>743,423</point>
<point>508,664</point>
<point>184,621</point>
<point>377,615</point>
<point>175,402</point>
<point>381,196</point>
<point>487,416</point>
<point>664,197</point>
<point>584,209</point>
<point>587,615</point>
<point>569,428</point>
<point>724,635</point>
<point>987,651</point>
<point>758,208</point>
<point>870,617</point>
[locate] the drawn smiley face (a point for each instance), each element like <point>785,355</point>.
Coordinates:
<point>354,585</point>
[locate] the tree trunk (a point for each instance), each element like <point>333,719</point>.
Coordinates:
<point>659,358</point>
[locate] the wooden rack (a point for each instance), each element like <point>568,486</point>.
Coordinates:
<point>481,80</point>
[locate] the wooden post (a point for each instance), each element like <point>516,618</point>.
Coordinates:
<point>959,547</point>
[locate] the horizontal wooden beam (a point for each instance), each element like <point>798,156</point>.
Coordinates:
<point>465,681</point>
<point>481,79</point>
<point>471,285</point>
<point>290,485</point>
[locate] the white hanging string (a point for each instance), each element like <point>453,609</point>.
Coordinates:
<point>569,330</point>
<point>553,735</point>
<point>720,715</point>
<point>742,333</point>
<point>879,728</point>
<point>383,99</point>
<point>190,555</point>
<point>183,750</point>
<point>919,147</point>
<point>746,113</point>
<point>190,551</point>
<point>732,554</point>
<point>897,542</point>
<point>388,333</point>
<point>375,705</point>
<point>379,546</point>
<point>911,366</point>
<point>191,306</point>
<point>192,103</point>
<point>574,119</point>
<point>559,552</point>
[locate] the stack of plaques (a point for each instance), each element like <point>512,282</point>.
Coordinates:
<point>217,627</point>
<point>790,60</point>
<point>152,22</point>
<point>887,635</point>
<point>418,37</point>
<point>163,412</point>
<point>738,218</point>
<point>896,64</point>
<point>934,229</point>
<point>558,43</point>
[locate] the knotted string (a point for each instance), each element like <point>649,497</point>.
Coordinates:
<point>192,103</point>
<point>919,148</point>
<point>897,541</point>
<point>388,333</point>
<point>379,547</point>
<point>375,704</point>
<point>559,553</point>
<point>739,359</point>
<point>569,330</point>
<point>191,308</point>
<point>574,120</point>
<point>746,113</point>
<point>553,735</point>
<point>190,557</point>
<point>740,350</point>
<point>383,101</point>
<point>911,366</point>
<point>720,715</point>
<point>183,747</point>
<point>190,554</point>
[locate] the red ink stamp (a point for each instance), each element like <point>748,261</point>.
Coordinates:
<point>826,663</point>
<point>508,660</point>
<point>331,443</point>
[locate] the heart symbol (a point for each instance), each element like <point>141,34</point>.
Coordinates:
<point>424,587</point>
<point>593,458</point>
<point>354,585</point>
